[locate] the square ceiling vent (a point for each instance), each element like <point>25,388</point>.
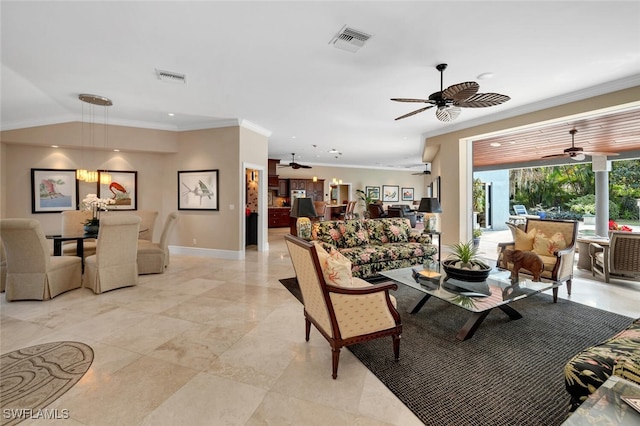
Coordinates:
<point>349,39</point>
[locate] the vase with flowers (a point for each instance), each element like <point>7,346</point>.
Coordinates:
<point>95,205</point>
<point>613,226</point>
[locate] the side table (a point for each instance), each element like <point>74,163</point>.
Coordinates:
<point>606,407</point>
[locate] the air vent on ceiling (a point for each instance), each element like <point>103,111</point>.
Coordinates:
<point>349,39</point>
<point>171,77</point>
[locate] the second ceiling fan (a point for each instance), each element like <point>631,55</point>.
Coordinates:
<point>449,101</point>
<point>295,165</point>
<point>577,153</point>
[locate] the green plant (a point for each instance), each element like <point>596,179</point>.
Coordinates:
<point>465,255</point>
<point>478,195</point>
<point>364,197</point>
<point>477,232</point>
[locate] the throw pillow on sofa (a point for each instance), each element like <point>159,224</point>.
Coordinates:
<point>354,234</point>
<point>398,231</point>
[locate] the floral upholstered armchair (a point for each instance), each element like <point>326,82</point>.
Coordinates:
<point>344,309</point>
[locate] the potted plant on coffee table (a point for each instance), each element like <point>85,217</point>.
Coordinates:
<point>464,263</point>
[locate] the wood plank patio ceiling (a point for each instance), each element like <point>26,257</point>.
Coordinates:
<point>615,132</point>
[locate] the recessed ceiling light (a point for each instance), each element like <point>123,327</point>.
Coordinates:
<point>171,114</point>
<point>116,150</point>
<point>54,146</point>
<point>293,137</point>
<point>333,151</point>
<point>485,76</point>
<point>496,144</point>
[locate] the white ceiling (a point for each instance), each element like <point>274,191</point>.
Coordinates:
<point>270,65</point>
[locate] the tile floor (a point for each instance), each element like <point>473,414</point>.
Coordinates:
<point>221,342</point>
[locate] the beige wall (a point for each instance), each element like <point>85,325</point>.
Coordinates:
<point>157,176</point>
<point>451,155</point>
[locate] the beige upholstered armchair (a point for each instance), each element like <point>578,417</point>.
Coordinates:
<point>73,224</point>
<point>154,257</point>
<point>32,273</point>
<point>343,315</point>
<point>115,263</point>
<point>620,259</point>
<point>553,240</point>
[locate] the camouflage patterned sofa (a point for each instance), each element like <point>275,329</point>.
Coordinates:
<point>619,355</point>
<point>374,245</point>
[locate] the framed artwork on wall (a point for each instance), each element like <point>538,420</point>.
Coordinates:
<point>373,192</point>
<point>198,190</point>
<point>123,189</point>
<point>407,194</point>
<point>390,193</point>
<point>53,190</point>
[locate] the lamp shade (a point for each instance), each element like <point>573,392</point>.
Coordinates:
<point>303,207</point>
<point>430,205</point>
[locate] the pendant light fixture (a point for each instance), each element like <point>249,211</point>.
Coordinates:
<point>93,101</point>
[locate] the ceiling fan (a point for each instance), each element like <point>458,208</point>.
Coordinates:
<point>426,171</point>
<point>577,153</point>
<point>295,165</point>
<point>450,100</point>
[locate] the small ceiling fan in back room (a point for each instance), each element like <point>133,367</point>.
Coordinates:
<point>449,101</point>
<point>577,153</point>
<point>293,163</point>
<point>426,171</point>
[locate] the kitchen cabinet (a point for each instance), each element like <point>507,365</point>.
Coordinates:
<point>279,217</point>
<point>283,187</point>
<point>297,184</point>
<point>315,190</point>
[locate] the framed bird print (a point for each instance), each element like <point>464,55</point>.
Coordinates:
<point>122,188</point>
<point>198,190</point>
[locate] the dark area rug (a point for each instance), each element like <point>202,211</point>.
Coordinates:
<point>508,373</point>
<point>34,377</point>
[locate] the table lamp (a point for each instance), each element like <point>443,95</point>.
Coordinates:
<point>430,205</point>
<point>302,210</point>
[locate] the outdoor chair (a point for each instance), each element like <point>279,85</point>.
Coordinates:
<point>32,273</point>
<point>620,259</point>
<point>553,240</point>
<point>353,312</point>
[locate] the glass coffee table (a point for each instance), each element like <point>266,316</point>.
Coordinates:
<point>479,298</point>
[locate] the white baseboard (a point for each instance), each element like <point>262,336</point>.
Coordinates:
<point>203,252</point>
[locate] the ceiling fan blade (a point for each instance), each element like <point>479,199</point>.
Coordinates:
<point>602,154</point>
<point>414,112</point>
<point>557,155</point>
<point>481,100</point>
<point>410,100</point>
<point>284,165</point>
<point>447,114</point>
<point>304,166</point>
<point>461,91</point>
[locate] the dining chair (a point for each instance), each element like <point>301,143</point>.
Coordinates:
<point>153,258</point>
<point>73,224</point>
<point>147,225</point>
<point>115,263</point>
<point>32,273</point>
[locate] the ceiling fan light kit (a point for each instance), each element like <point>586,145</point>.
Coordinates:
<point>449,101</point>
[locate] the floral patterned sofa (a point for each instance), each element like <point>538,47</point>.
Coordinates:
<point>374,245</point>
<point>619,355</point>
